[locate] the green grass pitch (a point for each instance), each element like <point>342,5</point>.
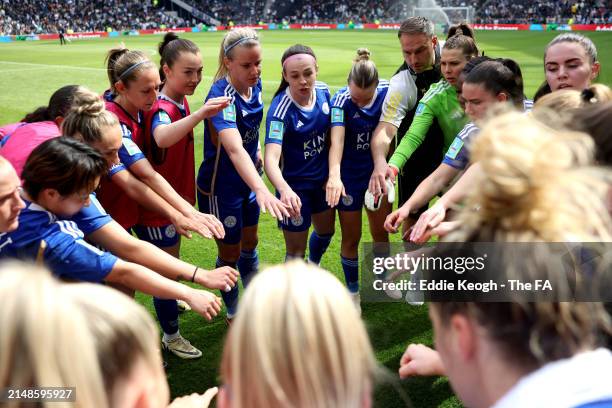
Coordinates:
<point>31,71</point>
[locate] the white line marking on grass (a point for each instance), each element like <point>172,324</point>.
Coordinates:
<point>78,68</point>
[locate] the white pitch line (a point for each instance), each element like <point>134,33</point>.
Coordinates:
<point>32,64</point>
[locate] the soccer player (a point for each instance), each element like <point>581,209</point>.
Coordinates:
<point>99,128</point>
<point>58,179</point>
<point>297,127</point>
<point>134,81</point>
<point>440,104</point>
<point>168,143</point>
<point>19,139</point>
<point>355,114</point>
<point>421,69</point>
<point>548,353</point>
<point>489,83</point>
<point>11,203</point>
<point>570,62</point>
<point>229,185</point>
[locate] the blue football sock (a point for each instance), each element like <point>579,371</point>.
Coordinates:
<point>350,266</point>
<point>167,314</point>
<point>229,298</point>
<point>317,245</point>
<point>248,264</point>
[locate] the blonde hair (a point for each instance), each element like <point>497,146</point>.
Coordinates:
<point>44,339</point>
<point>87,118</point>
<point>565,100</point>
<point>363,73</point>
<point>238,37</point>
<point>125,65</point>
<point>537,184</point>
<point>123,332</point>
<point>297,342</point>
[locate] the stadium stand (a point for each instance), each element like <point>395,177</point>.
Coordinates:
<point>48,16</point>
<point>31,16</point>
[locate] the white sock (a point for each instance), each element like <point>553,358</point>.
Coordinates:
<point>170,337</point>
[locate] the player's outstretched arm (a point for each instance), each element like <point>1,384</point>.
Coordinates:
<point>118,241</point>
<point>168,135</point>
<point>232,143</point>
<point>145,196</point>
<point>271,163</point>
<point>420,360</point>
<point>432,185</point>
<point>334,189</point>
<point>145,172</point>
<point>381,140</point>
<point>146,281</point>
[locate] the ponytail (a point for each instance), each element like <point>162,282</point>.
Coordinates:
<point>124,65</point>
<point>170,49</point>
<point>363,73</point>
<point>58,106</point>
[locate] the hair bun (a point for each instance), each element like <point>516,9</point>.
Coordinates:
<point>363,54</point>
<point>86,102</point>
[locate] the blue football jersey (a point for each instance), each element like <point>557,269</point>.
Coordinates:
<point>91,218</point>
<point>217,172</point>
<point>303,133</point>
<point>458,154</point>
<point>66,253</point>
<point>359,124</point>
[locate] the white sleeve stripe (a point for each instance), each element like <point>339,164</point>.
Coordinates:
<point>285,109</point>
<point>284,100</point>
<point>467,130</point>
<point>342,99</point>
<point>90,247</point>
<point>67,230</point>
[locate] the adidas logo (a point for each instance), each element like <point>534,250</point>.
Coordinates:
<point>356,115</point>
<point>244,113</point>
<point>299,124</point>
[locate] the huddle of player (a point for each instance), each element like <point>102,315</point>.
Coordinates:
<point>135,148</point>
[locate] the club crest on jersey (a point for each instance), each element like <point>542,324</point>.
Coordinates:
<point>229,113</point>
<point>325,108</point>
<point>276,130</point>
<point>297,221</point>
<point>230,221</point>
<point>347,200</point>
<point>337,115</point>
<point>170,231</point>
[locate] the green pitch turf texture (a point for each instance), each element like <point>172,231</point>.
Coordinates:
<point>31,71</point>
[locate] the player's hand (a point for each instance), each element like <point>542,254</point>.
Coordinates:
<point>396,218</point>
<point>203,303</point>
<point>419,359</point>
<point>223,278</point>
<point>443,229</point>
<point>292,201</point>
<point>186,225</point>
<point>391,173</point>
<point>209,221</point>
<point>195,400</point>
<point>213,106</point>
<point>334,189</point>
<point>377,185</point>
<point>268,203</point>
<point>428,220</point>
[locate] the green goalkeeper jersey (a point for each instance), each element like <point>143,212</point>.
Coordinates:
<point>439,103</point>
